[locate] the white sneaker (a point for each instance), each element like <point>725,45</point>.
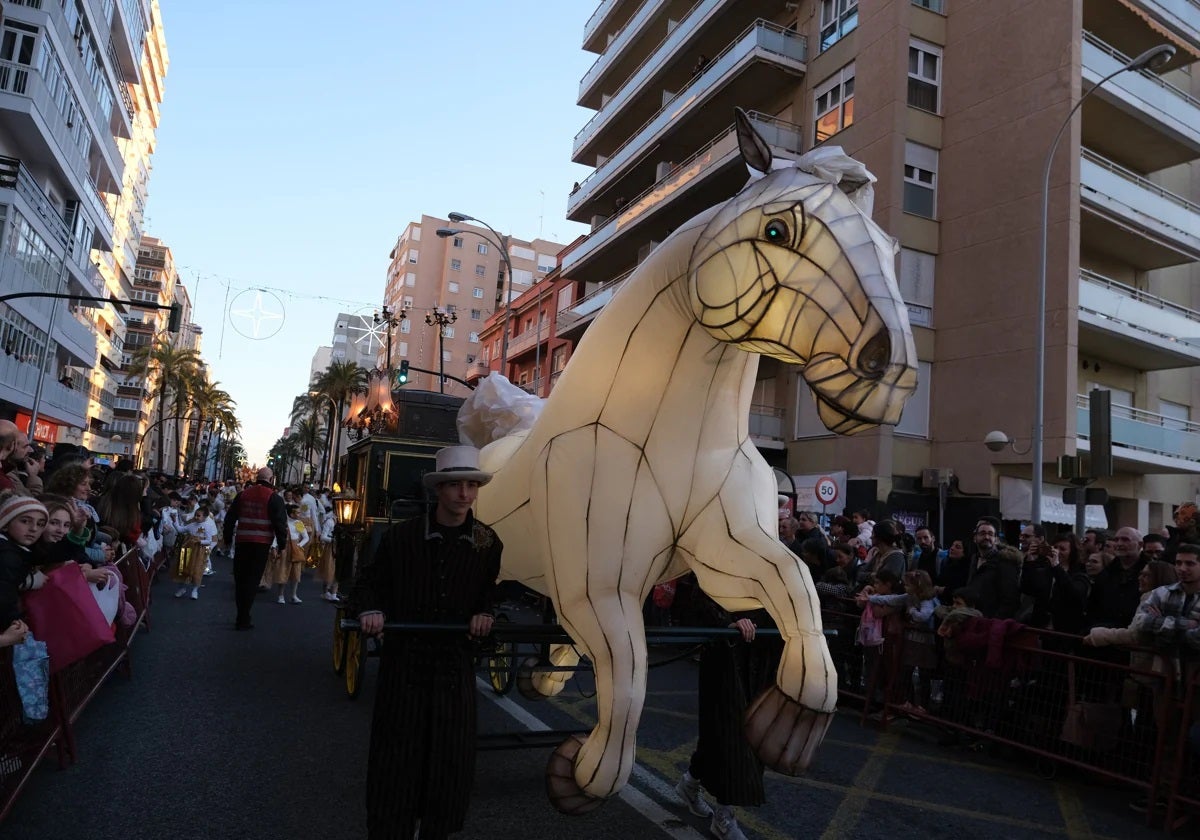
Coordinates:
<point>688,790</point>
<point>296,600</point>
<point>195,594</point>
<point>724,824</point>
<point>280,600</point>
<point>181,591</point>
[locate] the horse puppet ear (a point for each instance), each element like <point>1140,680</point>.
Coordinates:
<point>755,151</point>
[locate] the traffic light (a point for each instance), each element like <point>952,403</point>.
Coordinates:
<point>175,319</point>
<point>402,374</point>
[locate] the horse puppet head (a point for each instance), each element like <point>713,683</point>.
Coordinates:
<point>794,268</point>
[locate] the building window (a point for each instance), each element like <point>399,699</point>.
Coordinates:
<point>412,257</point>
<point>915,279</point>
<point>410,279</point>
<point>473,338</point>
<point>456,265</point>
<point>481,248</point>
<point>546,263</point>
<point>915,419</point>
<point>1176,416</point>
<point>447,356</point>
<point>406,326</point>
<point>920,180</point>
<point>480,270</point>
<point>452,287</point>
<point>838,19</point>
<point>470,359</point>
<point>834,103</point>
<point>924,76</point>
<point>938,6</point>
<point>402,348</point>
<point>477,292</point>
<point>407,302</point>
<point>458,243</point>
<point>448,331</point>
<point>476,314</point>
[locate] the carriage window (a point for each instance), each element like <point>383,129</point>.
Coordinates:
<point>920,180</point>
<point>834,103</point>
<point>838,19</point>
<point>924,76</point>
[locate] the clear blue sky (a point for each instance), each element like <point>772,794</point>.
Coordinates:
<point>299,138</point>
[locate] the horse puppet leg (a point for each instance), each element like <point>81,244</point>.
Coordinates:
<point>741,566</point>
<point>601,572</point>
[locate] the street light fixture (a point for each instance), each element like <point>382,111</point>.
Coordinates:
<point>392,319</point>
<point>443,320</point>
<point>502,299</point>
<point>1151,59</point>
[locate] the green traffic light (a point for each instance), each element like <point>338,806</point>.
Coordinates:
<point>402,374</point>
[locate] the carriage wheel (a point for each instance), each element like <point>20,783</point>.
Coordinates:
<point>525,679</point>
<point>340,637</point>
<point>356,663</point>
<point>502,664</point>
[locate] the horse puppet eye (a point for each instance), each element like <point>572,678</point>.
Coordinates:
<point>777,231</point>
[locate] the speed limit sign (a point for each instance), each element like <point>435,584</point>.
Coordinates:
<point>826,490</point>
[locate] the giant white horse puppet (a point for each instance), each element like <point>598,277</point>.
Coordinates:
<point>640,466</point>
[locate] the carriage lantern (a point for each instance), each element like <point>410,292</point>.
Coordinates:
<point>345,506</point>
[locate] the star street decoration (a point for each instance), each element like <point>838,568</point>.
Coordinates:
<point>366,332</point>
<point>260,322</point>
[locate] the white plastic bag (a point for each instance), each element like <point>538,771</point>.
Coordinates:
<point>109,597</point>
<point>496,408</point>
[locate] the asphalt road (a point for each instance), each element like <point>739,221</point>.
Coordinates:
<point>233,735</point>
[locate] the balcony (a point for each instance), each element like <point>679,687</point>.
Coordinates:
<point>1145,442</point>
<point>574,321</point>
<point>1132,219</point>
<point>1134,26</point>
<point>1180,16</point>
<point>766,426</point>
<point>129,33</point>
<point>711,174</point>
<point>527,340</point>
<point>18,383</point>
<point>40,129</point>
<point>1145,331</point>
<point>614,62</point>
<point>74,336</point>
<point>15,176</point>
<point>1138,118</point>
<point>604,20</point>
<point>764,57</point>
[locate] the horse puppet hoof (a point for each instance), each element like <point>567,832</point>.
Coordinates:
<point>564,792</point>
<point>783,733</point>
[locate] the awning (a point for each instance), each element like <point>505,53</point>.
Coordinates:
<point>1015,498</point>
<point>1181,44</point>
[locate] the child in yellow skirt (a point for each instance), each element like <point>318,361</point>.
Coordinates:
<point>292,563</point>
<point>199,536</point>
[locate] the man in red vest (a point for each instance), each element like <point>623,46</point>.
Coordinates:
<point>259,515</point>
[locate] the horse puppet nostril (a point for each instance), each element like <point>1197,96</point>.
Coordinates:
<point>875,355</point>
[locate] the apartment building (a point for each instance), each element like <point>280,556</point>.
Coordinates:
<point>66,120</point>
<point>462,275</point>
<point>953,104</point>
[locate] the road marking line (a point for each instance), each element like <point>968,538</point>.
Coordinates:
<point>669,823</point>
<point>850,811</point>
<point>1073,813</point>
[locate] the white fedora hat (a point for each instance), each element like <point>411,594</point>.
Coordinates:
<point>456,463</point>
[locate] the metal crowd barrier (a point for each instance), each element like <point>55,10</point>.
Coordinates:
<point>23,746</point>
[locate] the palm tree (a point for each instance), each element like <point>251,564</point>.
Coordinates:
<point>225,426</point>
<point>338,382</point>
<point>163,366</point>
<point>283,453</point>
<point>309,434</point>
<point>208,398</point>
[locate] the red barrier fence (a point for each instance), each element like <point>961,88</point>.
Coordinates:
<point>23,746</point>
<point>1120,713</point>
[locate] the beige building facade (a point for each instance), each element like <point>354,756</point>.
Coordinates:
<point>954,105</point>
<point>459,274</point>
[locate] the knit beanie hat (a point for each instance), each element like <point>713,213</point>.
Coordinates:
<point>14,506</point>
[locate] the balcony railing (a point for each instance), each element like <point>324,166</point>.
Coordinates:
<point>18,383</point>
<point>654,61</point>
<point>767,37</point>
<point>103,119</point>
<point>14,176</point>
<point>1173,107</point>
<point>587,306</point>
<point>761,35</point>
<point>1152,205</point>
<point>1180,15</point>
<point>1145,431</point>
<point>618,44</point>
<point>527,339</point>
<point>1156,311</point>
<point>779,134</point>
<point>74,337</point>
<point>598,17</point>
<point>766,421</point>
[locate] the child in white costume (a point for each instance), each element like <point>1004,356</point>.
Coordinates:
<point>292,563</point>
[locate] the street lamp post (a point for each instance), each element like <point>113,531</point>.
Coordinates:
<point>392,320</point>
<point>443,320</point>
<point>1151,59</point>
<point>502,298</point>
